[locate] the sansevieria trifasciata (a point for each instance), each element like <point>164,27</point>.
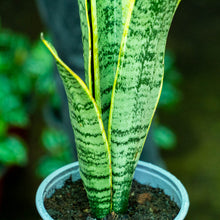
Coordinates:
<point>124,45</point>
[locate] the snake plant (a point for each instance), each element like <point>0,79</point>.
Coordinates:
<point>124,45</point>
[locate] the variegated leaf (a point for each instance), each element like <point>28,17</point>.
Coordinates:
<point>107,28</point>
<point>137,88</point>
<point>91,142</point>
<point>84,12</point>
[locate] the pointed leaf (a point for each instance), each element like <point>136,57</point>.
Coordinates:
<point>92,146</point>
<point>137,89</point>
<point>86,38</point>
<point>107,32</point>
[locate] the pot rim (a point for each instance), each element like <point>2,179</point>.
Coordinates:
<point>66,171</point>
<point>173,181</point>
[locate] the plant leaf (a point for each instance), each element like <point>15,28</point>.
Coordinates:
<point>91,142</point>
<point>164,137</point>
<point>12,152</point>
<point>86,38</point>
<point>136,89</point>
<point>47,165</point>
<point>107,33</point>
<point>125,8</point>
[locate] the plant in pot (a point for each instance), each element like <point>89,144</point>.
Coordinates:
<point>124,45</point>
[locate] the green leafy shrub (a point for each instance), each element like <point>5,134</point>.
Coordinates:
<point>58,150</point>
<point>25,81</point>
<point>13,89</point>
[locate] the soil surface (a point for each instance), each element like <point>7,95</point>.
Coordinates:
<point>147,203</point>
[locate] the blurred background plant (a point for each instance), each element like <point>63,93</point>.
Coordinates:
<point>15,86</point>
<point>26,82</point>
<point>58,154</point>
<point>171,96</point>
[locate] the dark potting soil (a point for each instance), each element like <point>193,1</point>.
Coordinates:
<point>145,203</point>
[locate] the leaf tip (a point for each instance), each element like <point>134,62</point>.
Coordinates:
<point>42,36</point>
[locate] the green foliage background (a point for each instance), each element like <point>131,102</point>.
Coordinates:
<point>26,81</point>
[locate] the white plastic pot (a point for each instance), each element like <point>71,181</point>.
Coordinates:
<point>145,173</point>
